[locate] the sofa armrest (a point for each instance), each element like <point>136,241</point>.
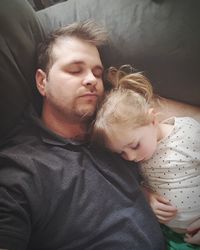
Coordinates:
<point>19,36</point>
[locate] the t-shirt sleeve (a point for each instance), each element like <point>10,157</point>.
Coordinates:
<point>15,219</point>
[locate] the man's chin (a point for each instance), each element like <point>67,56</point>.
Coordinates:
<point>87,114</point>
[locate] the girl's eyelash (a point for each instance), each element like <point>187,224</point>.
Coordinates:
<point>136,147</point>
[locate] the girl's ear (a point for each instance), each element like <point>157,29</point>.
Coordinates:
<point>153,114</point>
<point>41,80</point>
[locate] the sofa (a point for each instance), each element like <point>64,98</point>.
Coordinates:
<point>159,37</point>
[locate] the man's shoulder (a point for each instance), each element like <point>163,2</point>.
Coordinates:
<point>19,151</point>
<point>20,141</point>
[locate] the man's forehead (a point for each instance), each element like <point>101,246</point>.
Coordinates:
<point>74,48</point>
<point>73,44</point>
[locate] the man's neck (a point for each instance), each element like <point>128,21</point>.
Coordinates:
<point>75,130</point>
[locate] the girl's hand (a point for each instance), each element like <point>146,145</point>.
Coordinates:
<point>193,233</point>
<point>161,206</point>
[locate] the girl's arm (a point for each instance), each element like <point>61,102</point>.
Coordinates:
<point>161,207</point>
<point>193,233</point>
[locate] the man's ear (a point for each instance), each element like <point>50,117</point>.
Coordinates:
<point>41,79</point>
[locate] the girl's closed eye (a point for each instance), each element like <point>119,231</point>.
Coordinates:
<point>135,146</point>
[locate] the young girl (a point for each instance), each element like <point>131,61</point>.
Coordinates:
<point>168,153</point>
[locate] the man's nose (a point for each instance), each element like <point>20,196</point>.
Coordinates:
<point>90,79</point>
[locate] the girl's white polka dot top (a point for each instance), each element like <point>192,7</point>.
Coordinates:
<point>174,170</point>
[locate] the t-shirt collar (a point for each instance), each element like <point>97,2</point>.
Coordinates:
<point>49,136</point>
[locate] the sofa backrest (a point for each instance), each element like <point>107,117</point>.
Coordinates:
<point>159,37</point>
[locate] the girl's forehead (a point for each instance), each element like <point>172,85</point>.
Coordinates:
<point>122,129</point>
<point>119,137</point>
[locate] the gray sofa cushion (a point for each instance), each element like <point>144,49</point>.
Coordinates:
<point>161,38</point>
<point>19,34</point>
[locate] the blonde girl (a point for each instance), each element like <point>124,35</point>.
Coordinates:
<point>168,152</point>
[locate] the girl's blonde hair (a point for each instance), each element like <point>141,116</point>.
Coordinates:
<point>126,105</point>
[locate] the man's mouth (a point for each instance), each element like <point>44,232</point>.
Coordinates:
<point>89,96</point>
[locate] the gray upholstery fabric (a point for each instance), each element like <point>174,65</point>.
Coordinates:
<point>19,34</point>
<point>161,38</point>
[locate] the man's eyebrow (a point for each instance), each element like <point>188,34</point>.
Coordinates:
<point>73,63</point>
<point>98,66</point>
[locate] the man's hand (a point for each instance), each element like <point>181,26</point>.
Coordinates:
<point>161,206</point>
<point>193,233</point>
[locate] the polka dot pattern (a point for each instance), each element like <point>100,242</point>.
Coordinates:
<point>174,170</point>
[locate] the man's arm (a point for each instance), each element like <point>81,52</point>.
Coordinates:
<point>15,218</point>
<point>14,228</point>
<point>167,108</point>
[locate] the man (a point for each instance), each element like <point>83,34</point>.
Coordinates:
<point>56,191</point>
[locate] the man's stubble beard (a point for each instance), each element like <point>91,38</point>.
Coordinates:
<point>90,114</point>
<point>86,115</point>
<point>77,112</point>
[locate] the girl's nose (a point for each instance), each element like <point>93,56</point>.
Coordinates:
<point>130,155</point>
